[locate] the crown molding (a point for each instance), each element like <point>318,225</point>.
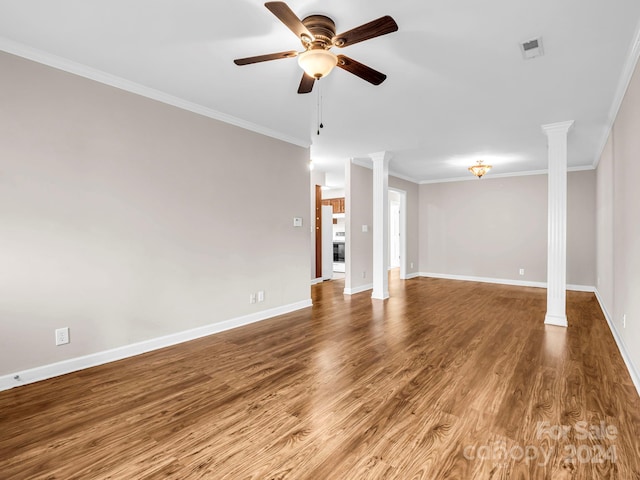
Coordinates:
<point>623,85</point>
<point>403,177</point>
<point>466,178</point>
<point>363,162</point>
<point>368,163</point>
<point>99,76</point>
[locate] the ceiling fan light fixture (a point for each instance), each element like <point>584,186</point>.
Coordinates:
<point>480,169</point>
<point>317,62</point>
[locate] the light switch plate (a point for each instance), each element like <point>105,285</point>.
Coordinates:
<point>297,221</point>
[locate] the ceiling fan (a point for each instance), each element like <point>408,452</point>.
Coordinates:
<point>318,34</point>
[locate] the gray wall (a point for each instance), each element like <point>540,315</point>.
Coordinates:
<point>127,219</point>
<point>618,250</point>
<point>494,226</point>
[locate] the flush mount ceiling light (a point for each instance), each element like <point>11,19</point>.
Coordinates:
<point>480,170</point>
<point>317,62</point>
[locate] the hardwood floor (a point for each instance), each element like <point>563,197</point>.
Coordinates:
<point>445,380</point>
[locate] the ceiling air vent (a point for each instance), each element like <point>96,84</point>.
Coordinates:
<point>532,48</point>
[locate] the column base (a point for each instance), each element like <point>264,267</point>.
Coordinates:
<point>380,296</point>
<point>557,320</point>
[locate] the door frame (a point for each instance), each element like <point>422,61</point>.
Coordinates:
<point>318,231</point>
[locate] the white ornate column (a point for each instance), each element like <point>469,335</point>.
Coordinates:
<point>380,225</point>
<point>557,224</point>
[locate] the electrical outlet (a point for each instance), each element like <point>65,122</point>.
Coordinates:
<point>62,336</point>
<point>624,321</point>
<point>411,265</point>
<point>252,298</point>
<point>522,271</point>
<point>261,296</point>
<point>364,274</point>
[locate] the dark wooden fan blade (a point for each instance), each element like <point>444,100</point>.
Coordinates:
<point>361,70</point>
<point>265,58</point>
<point>306,84</point>
<point>375,28</point>
<point>290,19</point>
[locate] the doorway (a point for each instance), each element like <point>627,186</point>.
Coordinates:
<point>318,230</point>
<point>394,229</point>
<point>398,230</point>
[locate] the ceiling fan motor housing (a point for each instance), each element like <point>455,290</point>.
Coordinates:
<point>323,29</point>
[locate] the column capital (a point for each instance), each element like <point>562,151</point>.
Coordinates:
<point>377,156</point>
<point>559,127</point>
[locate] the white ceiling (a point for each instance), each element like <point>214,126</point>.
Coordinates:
<point>458,89</point>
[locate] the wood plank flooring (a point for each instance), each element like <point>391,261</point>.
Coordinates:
<point>445,380</point>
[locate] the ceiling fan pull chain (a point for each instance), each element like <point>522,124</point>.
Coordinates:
<point>318,106</point>
<point>320,93</point>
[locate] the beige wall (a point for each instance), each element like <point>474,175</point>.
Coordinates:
<point>604,224</point>
<point>359,212</point>
<point>618,198</point>
<point>494,226</point>
<point>127,219</point>
<point>581,228</point>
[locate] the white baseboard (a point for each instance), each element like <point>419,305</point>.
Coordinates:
<point>469,278</point>
<point>315,281</point>
<point>633,371</point>
<point>409,276</point>
<point>360,289</point>
<point>79,363</point>
<point>580,288</point>
<point>504,281</point>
